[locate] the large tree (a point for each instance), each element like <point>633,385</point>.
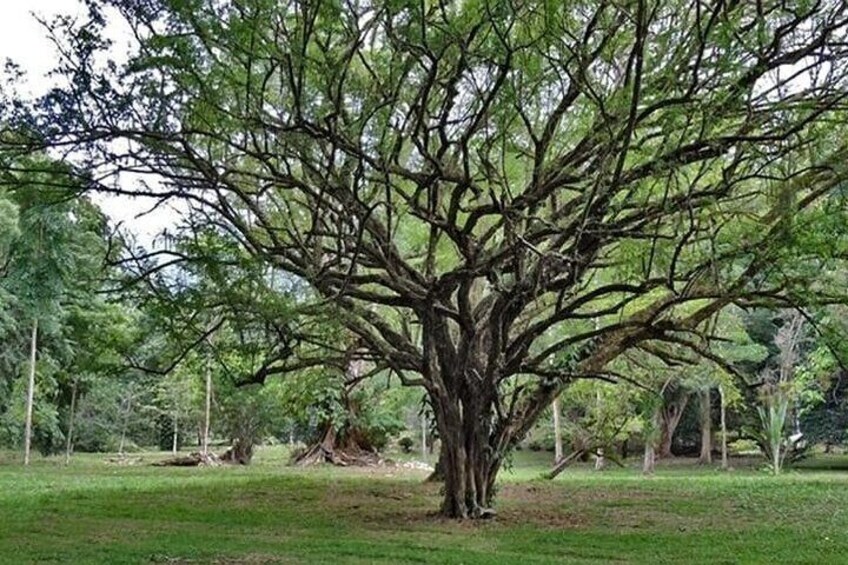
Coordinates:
<point>501,197</point>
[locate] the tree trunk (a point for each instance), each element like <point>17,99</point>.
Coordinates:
<point>650,456</point>
<point>649,459</point>
<point>346,447</point>
<point>470,460</point>
<point>469,478</point>
<point>208,410</point>
<point>600,460</point>
<point>423,437</point>
<point>126,422</point>
<point>176,441</point>
<point>33,350</point>
<point>69,440</point>
<point>706,457</point>
<point>557,432</point>
<point>241,452</point>
<point>723,429</point>
<point>438,474</point>
<point>671,414</point>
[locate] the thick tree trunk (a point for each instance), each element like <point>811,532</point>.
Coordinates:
<point>30,392</point>
<point>470,460</point>
<point>438,474</point>
<point>670,418</point>
<point>469,479</point>
<point>706,457</point>
<point>557,431</point>
<point>69,441</point>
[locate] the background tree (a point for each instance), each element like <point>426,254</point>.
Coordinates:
<point>51,281</point>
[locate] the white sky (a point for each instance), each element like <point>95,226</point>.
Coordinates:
<point>24,40</point>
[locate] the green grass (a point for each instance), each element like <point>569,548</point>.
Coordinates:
<point>98,512</point>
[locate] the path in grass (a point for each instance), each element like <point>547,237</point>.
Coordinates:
<point>93,512</point>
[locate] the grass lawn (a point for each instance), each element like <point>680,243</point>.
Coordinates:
<point>94,511</point>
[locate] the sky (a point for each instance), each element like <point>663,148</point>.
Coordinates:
<point>24,41</point>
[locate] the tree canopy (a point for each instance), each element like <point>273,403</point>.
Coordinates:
<point>496,198</point>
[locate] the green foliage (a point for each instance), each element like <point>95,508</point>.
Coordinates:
<point>116,413</point>
<point>600,415</point>
<point>53,247</point>
<point>772,415</point>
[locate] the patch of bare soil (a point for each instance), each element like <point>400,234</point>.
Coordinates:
<point>249,559</point>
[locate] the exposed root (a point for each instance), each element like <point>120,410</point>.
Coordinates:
<point>344,453</point>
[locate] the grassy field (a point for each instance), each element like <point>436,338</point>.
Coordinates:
<point>95,511</point>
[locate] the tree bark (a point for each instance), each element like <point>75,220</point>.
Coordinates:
<point>438,474</point>
<point>470,457</point>
<point>706,457</point>
<point>670,418</point>
<point>69,440</point>
<point>30,392</point>
<point>557,431</point>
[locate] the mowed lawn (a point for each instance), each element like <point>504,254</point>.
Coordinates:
<point>95,511</point>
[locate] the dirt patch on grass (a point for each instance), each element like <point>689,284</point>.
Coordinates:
<point>540,505</point>
<point>411,505</point>
<point>249,559</point>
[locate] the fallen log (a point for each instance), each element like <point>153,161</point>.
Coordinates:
<point>563,463</point>
<point>196,459</point>
<point>560,466</point>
